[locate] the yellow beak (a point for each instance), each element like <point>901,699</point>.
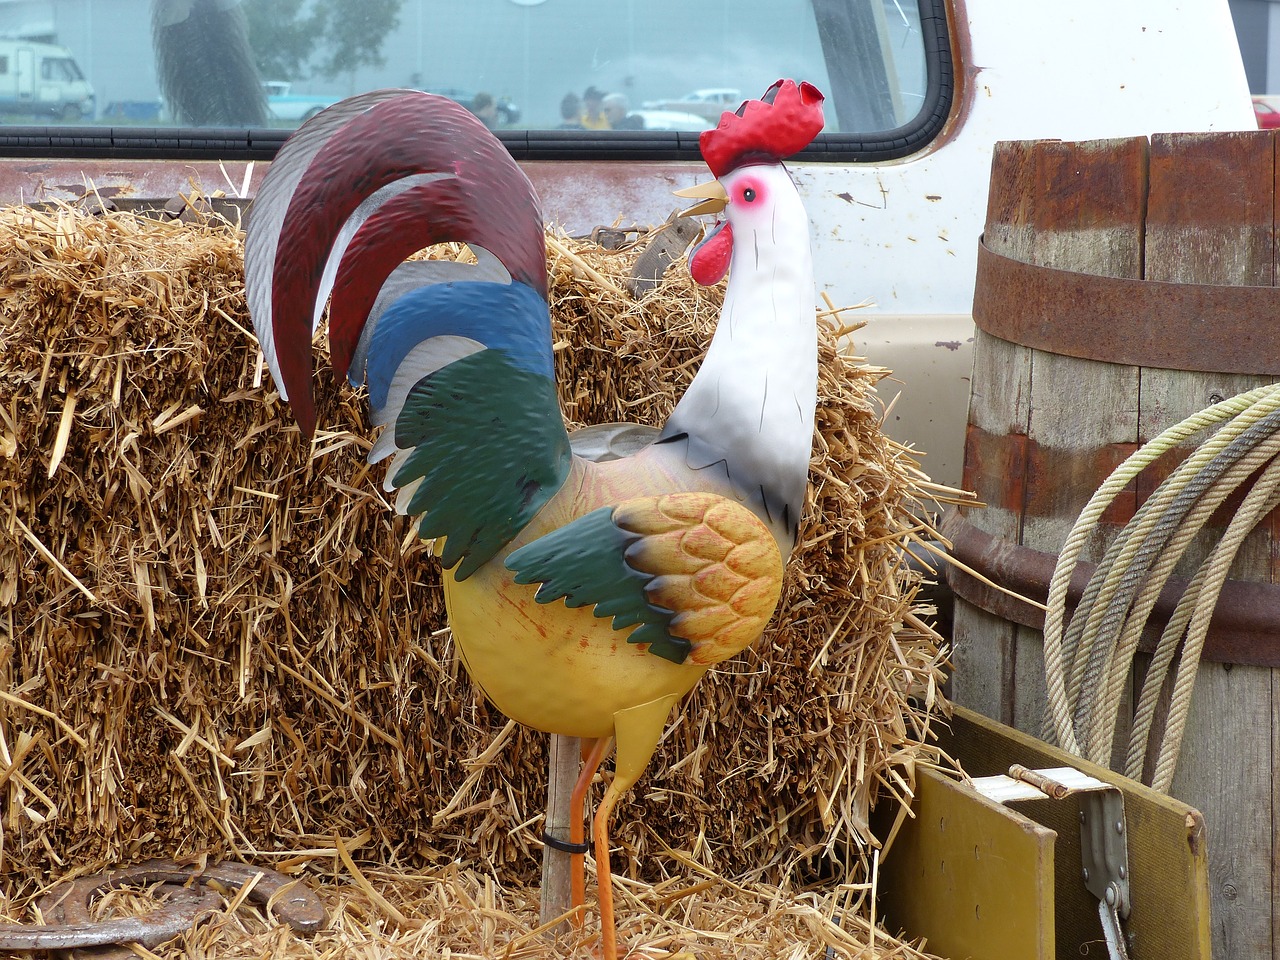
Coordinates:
<point>713,195</point>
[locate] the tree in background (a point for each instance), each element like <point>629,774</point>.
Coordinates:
<point>292,39</point>
<point>283,38</point>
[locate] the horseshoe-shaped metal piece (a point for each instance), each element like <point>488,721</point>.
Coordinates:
<point>190,900</point>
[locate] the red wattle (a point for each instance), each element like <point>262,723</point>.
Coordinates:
<point>710,261</point>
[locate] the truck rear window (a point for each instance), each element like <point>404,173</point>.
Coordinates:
<point>631,79</point>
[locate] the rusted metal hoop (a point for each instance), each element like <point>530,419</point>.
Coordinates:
<point>1210,328</point>
<point>1243,628</point>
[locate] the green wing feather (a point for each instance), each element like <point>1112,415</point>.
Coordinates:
<point>583,563</point>
<point>700,573</point>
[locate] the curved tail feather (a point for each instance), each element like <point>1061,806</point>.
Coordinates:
<point>267,215</point>
<point>458,357</point>
<point>371,180</point>
<point>397,230</point>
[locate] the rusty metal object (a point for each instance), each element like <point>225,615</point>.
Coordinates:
<point>183,908</point>
<point>288,898</point>
<point>191,207</point>
<point>612,238</point>
<point>1211,328</point>
<point>667,245</point>
<point>1243,629</point>
<point>663,246</point>
<point>189,899</point>
<point>1046,785</point>
<point>95,205</point>
<point>578,196</point>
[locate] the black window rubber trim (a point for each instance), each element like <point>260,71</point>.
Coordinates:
<point>231,144</point>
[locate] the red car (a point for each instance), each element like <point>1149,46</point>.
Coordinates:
<point>1268,116</point>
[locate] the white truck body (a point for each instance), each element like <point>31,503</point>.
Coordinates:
<point>43,80</point>
<point>907,237</point>
<point>903,235</point>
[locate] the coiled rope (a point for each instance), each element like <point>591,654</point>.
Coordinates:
<point>1087,663</point>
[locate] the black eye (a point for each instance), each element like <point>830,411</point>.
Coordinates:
<point>749,194</point>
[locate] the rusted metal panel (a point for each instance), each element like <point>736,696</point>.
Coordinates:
<point>32,181</point>
<point>578,195</point>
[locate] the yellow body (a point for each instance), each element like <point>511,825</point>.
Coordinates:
<point>562,669</point>
<point>550,667</point>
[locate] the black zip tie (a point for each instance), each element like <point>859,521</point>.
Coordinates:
<point>564,846</point>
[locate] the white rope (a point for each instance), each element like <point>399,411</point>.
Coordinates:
<point>1056,658</point>
<point>1088,659</point>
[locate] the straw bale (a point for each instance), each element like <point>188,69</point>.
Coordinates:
<point>214,641</point>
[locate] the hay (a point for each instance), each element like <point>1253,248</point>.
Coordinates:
<point>463,914</point>
<point>214,642</point>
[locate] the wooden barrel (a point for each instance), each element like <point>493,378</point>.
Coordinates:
<point>1122,286</point>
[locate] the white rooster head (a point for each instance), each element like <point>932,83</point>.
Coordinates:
<point>745,152</point>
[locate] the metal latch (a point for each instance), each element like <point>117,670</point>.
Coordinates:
<point>1104,849</point>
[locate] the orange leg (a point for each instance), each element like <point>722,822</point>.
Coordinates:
<point>593,754</point>
<point>604,875</point>
<point>636,731</point>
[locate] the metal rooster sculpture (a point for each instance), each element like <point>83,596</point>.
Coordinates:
<point>585,598</point>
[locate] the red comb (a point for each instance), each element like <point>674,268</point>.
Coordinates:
<point>781,123</point>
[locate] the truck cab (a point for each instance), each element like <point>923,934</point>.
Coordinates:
<point>918,92</point>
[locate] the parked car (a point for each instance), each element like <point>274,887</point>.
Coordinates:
<point>672,120</point>
<point>1268,117</point>
<point>134,111</point>
<point>283,104</point>
<point>708,103</point>
<point>508,112</point>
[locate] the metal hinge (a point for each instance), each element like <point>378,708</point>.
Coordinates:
<point>1104,849</point>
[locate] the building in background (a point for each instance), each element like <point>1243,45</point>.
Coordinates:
<point>1258,31</point>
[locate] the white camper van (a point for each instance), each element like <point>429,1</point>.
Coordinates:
<point>41,79</point>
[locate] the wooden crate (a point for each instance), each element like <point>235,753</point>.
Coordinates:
<point>989,881</point>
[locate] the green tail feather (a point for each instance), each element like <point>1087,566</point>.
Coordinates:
<point>491,450</point>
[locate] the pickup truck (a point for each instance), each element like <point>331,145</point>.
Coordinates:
<point>294,107</point>
<point>896,189</point>
<point>902,209</point>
